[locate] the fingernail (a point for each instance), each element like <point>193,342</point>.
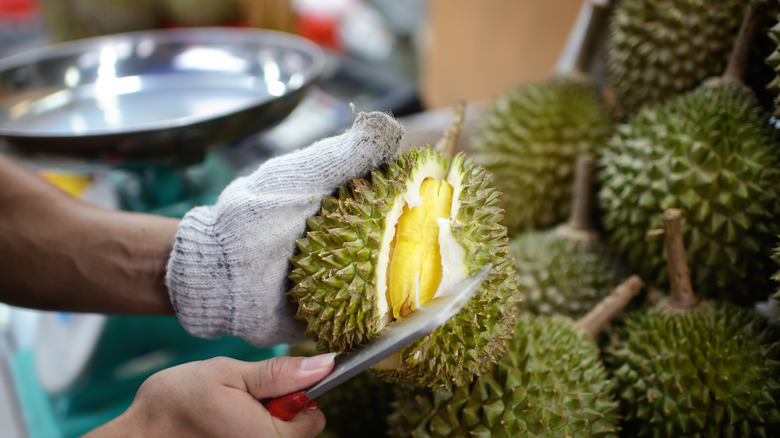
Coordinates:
<point>317,362</point>
<point>311,405</point>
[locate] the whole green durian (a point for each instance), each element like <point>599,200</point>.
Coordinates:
<point>710,371</point>
<point>550,383</point>
<point>569,269</point>
<point>529,139</point>
<point>712,153</point>
<point>656,49</point>
<point>369,239</point>
<point>563,271</point>
<point>691,367</point>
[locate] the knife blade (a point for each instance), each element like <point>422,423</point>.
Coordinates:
<point>386,342</point>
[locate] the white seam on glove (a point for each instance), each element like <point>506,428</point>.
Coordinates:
<point>229,266</point>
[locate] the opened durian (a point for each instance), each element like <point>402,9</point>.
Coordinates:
<point>712,153</point>
<point>690,367</point>
<point>387,244</point>
<point>656,49</point>
<point>530,136</point>
<point>550,383</point>
<point>567,270</point>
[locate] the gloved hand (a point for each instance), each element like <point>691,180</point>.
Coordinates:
<point>230,262</point>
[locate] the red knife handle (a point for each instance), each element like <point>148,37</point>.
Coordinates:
<point>287,407</point>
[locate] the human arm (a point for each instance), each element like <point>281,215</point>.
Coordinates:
<point>60,253</point>
<point>221,398</point>
<point>227,272</point>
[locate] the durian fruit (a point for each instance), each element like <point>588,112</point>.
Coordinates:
<point>569,269</point>
<point>690,367</point>
<point>773,61</point>
<point>530,136</point>
<point>550,383</point>
<point>712,153</point>
<point>386,244</point>
<point>656,49</point>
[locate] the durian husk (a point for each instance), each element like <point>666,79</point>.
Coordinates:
<point>712,154</point>
<point>529,139</point>
<point>773,61</point>
<point>336,274</point>
<point>562,274</point>
<point>658,49</point>
<point>550,383</point>
<point>707,371</point>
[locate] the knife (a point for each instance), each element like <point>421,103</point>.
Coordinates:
<point>386,342</point>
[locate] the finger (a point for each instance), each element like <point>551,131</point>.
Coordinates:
<point>284,375</point>
<point>307,423</point>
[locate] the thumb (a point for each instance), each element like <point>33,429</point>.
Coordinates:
<point>284,375</point>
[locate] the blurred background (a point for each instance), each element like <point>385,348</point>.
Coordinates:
<point>63,374</point>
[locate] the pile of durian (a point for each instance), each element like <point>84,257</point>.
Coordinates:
<point>632,221</point>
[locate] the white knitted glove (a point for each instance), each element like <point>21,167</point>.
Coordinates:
<point>229,265</point>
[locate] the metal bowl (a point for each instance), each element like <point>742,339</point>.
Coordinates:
<point>153,94</point>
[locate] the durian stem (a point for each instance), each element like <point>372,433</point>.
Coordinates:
<point>580,46</point>
<point>447,144</point>
<point>740,53</point>
<point>582,193</point>
<point>595,320</point>
<point>682,295</point>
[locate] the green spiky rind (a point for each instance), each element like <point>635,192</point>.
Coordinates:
<point>712,154</point>
<point>334,270</point>
<point>707,372</point>
<point>561,275</point>
<point>472,342</point>
<point>661,48</point>
<point>334,274</point>
<point>773,61</point>
<point>529,139</point>
<point>550,383</point>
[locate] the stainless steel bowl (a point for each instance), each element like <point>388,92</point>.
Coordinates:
<point>152,94</point>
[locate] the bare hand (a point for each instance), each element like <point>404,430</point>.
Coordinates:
<point>221,397</point>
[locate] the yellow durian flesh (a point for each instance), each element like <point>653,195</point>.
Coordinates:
<point>415,270</point>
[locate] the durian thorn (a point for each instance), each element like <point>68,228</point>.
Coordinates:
<point>740,53</point>
<point>595,320</point>
<point>448,143</point>
<point>580,46</point>
<point>682,295</point>
<point>582,193</point>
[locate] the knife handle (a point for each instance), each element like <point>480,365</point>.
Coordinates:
<point>287,406</point>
